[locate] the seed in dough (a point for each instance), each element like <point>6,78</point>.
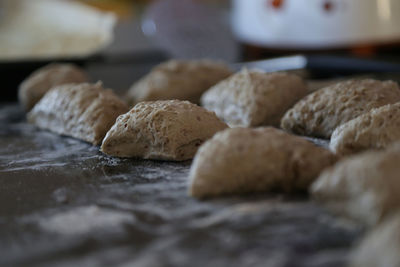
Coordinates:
<point>84,111</point>
<point>380,247</point>
<point>34,87</point>
<point>162,130</point>
<point>253,98</point>
<point>319,113</point>
<point>245,160</point>
<point>363,187</point>
<point>375,129</point>
<point>178,79</point>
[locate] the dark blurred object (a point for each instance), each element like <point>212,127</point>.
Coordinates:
<point>100,67</point>
<point>118,72</point>
<point>326,63</point>
<point>379,52</point>
<point>14,72</point>
<point>322,66</point>
<point>191,29</point>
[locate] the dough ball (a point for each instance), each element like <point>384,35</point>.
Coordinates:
<point>375,129</point>
<point>163,130</point>
<point>254,98</point>
<point>364,187</point>
<point>381,246</point>
<point>33,88</point>
<point>244,160</point>
<point>178,79</point>
<point>319,113</point>
<point>84,111</point>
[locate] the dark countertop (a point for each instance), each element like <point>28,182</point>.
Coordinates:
<point>64,203</point>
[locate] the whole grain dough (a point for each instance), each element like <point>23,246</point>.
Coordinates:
<point>364,187</point>
<point>319,113</point>
<point>84,111</point>
<point>375,129</point>
<point>178,79</point>
<point>163,130</point>
<point>245,160</point>
<point>33,88</point>
<point>253,98</point>
<point>380,247</point>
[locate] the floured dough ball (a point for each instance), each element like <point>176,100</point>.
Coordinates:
<point>84,111</point>
<point>319,113</point>
<point>375,129</point>
<point>244,160</point>
<point>163,130</point>
<point>381,246</point>
<point>254,98</point>
<point>363,187</point>
<point>178,79</point>
<point>33,88</point>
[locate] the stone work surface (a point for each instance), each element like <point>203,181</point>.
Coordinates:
<point>64,203</point>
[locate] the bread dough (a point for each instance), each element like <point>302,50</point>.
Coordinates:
<point>84,111</point>
<point>319,113</point>
<point>44,30</point>
<point>178,79</point>
<point>375,129</point>
<point>380,247</point>
<point>254,98</point>
<point>244,160</point>
<point>364,187</point>
<point>164,130</point>
<point>33,88</point>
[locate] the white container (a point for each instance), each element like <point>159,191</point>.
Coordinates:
<point>316,24</point>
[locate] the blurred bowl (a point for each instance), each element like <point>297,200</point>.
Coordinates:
<point>52,29</point>
<point>316,24</point>
<point>39,32</point>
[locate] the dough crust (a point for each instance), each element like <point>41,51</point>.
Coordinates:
<point>319,113</point>
<point>84,111</point>
<point>375,129</point>
<point>380,247</point>
<point>178,79</point>
<point>253,98</point>
<point>244,160</point>
<point>33,88</point>
<point>363,187</point>
<point>163,130</point>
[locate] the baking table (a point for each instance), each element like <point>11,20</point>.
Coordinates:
<point>64,203</point>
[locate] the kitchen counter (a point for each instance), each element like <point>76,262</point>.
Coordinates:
<point>64,203</point>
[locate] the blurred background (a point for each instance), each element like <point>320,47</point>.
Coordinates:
<point>118,41</point>
<point>250,29</point>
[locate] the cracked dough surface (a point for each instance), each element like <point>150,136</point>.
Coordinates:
<point>84,111</point>
<point>364,187</point>
<point>253,98</point>
<point>36,85</point>
<point>178,79</point>
<point>244,160</point>
<point>375,129</point>
<point>319,113</point>
<point>164,130</point>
